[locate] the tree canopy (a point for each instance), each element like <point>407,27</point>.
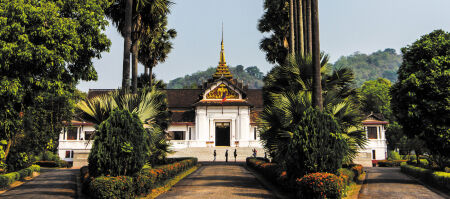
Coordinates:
<point>46,47</point>
<point>421,97</point>
<point>375,97</point>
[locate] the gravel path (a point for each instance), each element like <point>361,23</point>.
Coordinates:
<point>51,184</point>
<point>219,181</point>
<point>385,182</point>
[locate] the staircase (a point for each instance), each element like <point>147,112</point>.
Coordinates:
<point>205,154</point>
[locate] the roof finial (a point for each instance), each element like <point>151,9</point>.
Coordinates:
<point>222,69</point>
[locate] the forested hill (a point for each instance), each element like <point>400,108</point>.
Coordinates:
<point>383,63</point>
<point>250,75</point>
<point>369,67</point>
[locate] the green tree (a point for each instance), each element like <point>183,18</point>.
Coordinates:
<point>375,97</point>
<point>275,22</point>
<point>287,95</point>
<point>46,47</point>
<point>119,147</point>
<point>421,97</point>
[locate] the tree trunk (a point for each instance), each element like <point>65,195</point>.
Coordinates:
<point>134,71</point>
<point>145,70</point>
<point>299,38</point>
<point>291,28</point>
<point>305,27</point>
<point>127,45</point>
<point>317,87</point>
<point>151,75</point>
<point>8,148</point>
<point>309,27</point>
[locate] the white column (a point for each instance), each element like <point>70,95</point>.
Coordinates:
<point>233,130</point>
<point>212,130</point>
<point>244,124</point>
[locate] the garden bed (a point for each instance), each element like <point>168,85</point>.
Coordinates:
<point>147,181</point>
<point>8,179</point>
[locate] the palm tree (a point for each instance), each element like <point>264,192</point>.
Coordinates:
<point>146,14</point>
<point>317,86</point>
<point>155,46</point>
<point>292,29</point>
<point>150,104</point>
<point>287,94</point>
<point>126,44</point>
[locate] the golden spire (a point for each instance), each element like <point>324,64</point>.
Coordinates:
<point>222,68</point>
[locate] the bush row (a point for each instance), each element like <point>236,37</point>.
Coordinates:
<point>9,178</point>
<point>127,186</point>
<point>390,163</point>
<point>58,163</point>
<point>435,178</point>
<point>268,170</point>
<point>314,185</point>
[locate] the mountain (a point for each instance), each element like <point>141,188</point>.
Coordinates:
<point>370,67</point>
<point>251,76</point>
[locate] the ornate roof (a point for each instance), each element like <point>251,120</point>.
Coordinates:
<point>222,69</point>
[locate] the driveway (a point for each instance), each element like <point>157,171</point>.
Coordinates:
<point>51,184</point>
<point>218,181</point>
<point>387,182</point>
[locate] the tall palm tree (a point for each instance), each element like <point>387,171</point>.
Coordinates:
<point>126,44</point>
<point>145,14</point>
<point>292,29</point>
<point>317,86</point>
<point>155,46</point>
<point>287,94</point>
<point>300,30</point>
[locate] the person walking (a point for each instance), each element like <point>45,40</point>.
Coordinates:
<point>214,155</point>
<point>254,152</point>
<point>226,155</point>
<point>235,154</point>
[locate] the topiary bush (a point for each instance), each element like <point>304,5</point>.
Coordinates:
<point>9,178</point>
<point>119,148</point>
<point>316,145</point>
<point>320,185</point>
<point>112,187</point>
<point>390,163</point>
<point>393,155</point>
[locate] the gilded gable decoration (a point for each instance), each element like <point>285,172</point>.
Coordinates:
<point>218,92</point>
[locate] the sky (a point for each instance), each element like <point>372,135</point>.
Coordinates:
<point>346,26</point>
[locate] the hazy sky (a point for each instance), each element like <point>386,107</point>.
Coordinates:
<point>346,26</point>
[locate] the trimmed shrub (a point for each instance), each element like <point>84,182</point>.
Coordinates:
<point>347,175</point>
<point>418,172</point>
<point>422,163</point>
<point>59,163</point>
<point>393,155</point>
<point>316,145</point>
<point>441,179</point>
<point>112,187</point>
<point>268,170</point>
<point>390,163</point>
<point>9,178</point>
<point>148,179</point>
<point>357,170</point>
<point>120,147</point>
<point>320,185</point>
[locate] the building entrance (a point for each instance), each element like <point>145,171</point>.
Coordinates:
<point>222,134</point>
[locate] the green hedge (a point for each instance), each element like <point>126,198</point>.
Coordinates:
<point>112,187</point>
<point>9,178</point>
<point>435,178</point>
<point>347,175</point>
<point>128,187</point>
<point>390,163</point>
<point>59,163</point>
<point>320,185</point>
<point>268,170</point>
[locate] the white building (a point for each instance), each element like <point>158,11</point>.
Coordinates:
<point>221,113</point>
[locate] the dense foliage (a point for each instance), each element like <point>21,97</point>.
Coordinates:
<point>382,64</point>
<point>436,178</point>
<point>46,47</point>
<point>375,97</point>
<point>119,147</point>
<point>421,97</point>
<point>251,76</point>
<point>316,144</point>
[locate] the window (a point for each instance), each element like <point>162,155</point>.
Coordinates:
<point>254,133</point>
<point>72,133</point>
<point>89,135</point>
<point>69,154</point>
<point>177,135</point>
<point>373,155</point>
<point>190,133</point>
<point>372,132</point>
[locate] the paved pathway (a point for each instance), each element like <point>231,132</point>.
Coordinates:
<point>218,181</point>
<point>385,182</point>
<point>51,184</point>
